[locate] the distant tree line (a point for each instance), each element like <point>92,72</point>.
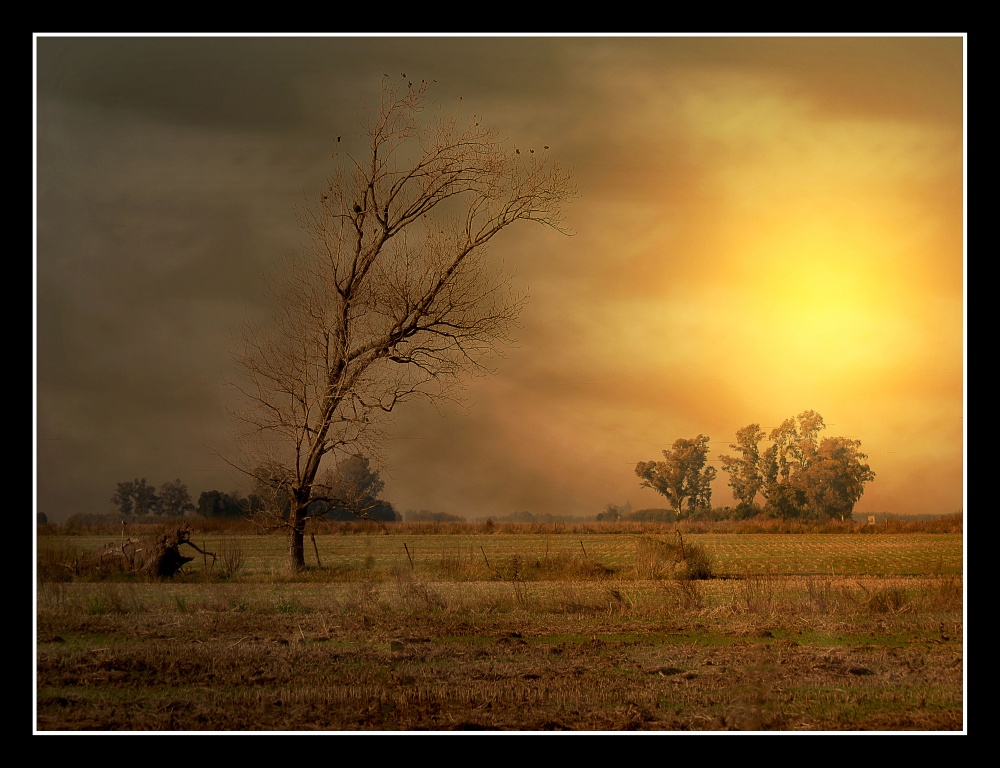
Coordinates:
<point>624,513</point>
<point>137,498</point>
<point>426,516</point>
<point>615,512</point>
<point>221,504</point>
<point>537,517</point>
<point>351,491</point>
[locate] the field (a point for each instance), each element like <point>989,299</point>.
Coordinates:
<point>518,628</point>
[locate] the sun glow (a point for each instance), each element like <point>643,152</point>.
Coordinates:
<point>823,297</point>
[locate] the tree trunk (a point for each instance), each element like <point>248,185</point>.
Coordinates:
<point>296,540</point>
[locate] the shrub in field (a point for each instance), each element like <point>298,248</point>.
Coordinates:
<point>654,558</point>
<point>231,558</point>
<point>454,567</point>
<point>564,566</point>
<point>288,605</point>
<point>619,599</point>
<point>510,570</point>
<point>58,563</point>
<point>576,601</point>
<point>658,559</point>
<point>697,563</point>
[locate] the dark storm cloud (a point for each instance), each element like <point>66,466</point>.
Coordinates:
<point>263,83</point>
<point>223,83</point>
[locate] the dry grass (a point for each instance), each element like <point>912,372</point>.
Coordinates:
<point>502,631</point>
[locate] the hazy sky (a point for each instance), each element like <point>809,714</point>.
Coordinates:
<point>765,226</point>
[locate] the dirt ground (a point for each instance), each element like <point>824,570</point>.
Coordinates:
<point>228,671</point>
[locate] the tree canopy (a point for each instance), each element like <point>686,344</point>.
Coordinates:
<point>684,476</point>
<point>798,474</point>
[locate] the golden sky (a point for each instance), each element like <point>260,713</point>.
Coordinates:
<point>765,225</point>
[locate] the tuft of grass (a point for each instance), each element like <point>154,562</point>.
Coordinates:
<point>414,596</point>
<point>945,594</point>
<point>888,600</point>
<point>288,605</point>
<point>454,567</point>
<point>563,566</point>
<point>113,598</point>
<point>577,602</point>
<point>821,597</point>
<point>756,592</point>
<point>682,594</point>
<point>363,603</point>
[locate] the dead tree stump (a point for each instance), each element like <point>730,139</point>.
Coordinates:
<point>155,556</point>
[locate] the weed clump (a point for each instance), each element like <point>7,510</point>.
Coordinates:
<point>415,596</point>
<point>756,592</point>
<point>231,558</point>
<point>887,600</point>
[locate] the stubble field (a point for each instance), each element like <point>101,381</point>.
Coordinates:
<point>453,628</point>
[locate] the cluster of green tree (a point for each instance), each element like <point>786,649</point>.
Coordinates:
<point>798,475</point>
<point>426,516</point>
<point>137,498</point>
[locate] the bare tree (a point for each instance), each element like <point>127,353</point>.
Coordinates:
<point>393,299</point>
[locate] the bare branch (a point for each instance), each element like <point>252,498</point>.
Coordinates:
<point>392,300</point>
